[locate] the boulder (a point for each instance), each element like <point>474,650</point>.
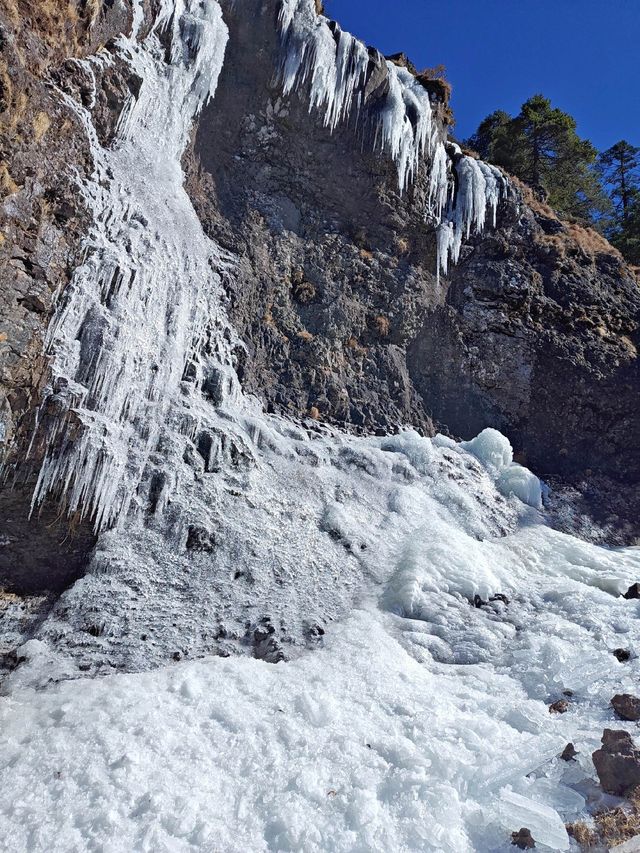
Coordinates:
<point>617,762</point>
<point>626,706</point>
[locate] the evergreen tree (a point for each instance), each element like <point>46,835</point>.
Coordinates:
<point>620,171</point>
<point>541,147</point>
<point>619,166</point>
<point>483,139</point>
<point>627,237</point>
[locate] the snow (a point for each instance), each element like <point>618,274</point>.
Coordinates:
<point>420,722</point>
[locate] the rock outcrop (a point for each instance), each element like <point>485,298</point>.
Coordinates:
<point>534,332</point>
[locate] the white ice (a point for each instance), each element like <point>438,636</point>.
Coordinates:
<point>420,724</point>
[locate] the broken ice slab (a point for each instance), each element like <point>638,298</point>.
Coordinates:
<point>545,824</point>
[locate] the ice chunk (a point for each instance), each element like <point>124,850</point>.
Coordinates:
<point>516,480</point>
<point>492,449</point>
<point>544,823</point>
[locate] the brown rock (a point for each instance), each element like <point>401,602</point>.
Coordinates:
<point>626,706</point>
<point>559,707</point>
<point>569,753</point>
<point>523,839</point>
<point>617,762</point>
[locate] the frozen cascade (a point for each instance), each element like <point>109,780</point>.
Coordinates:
<point>400,121</point>
<point>421,721</point>
<point>138,307</point>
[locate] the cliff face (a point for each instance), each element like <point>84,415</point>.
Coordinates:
<point>533,332</point>
<point>44,157</point>
<point>332,288</point>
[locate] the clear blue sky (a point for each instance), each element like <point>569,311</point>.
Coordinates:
<point>583,54</point>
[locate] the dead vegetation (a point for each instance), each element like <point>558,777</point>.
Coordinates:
<point>382,326</point>
<point>572,238</point>
<point>60,27</point>
<point>609,827</point>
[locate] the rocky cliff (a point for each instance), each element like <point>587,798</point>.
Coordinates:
<point>337,299</point>
<point>333,292</point>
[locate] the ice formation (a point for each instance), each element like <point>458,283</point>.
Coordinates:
<point>452,614</point>
<point>396,114</point>
<point>495,452</point>
<point>136,310</point>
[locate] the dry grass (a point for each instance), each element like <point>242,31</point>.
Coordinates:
<point>575,238</point>
<point>62,28</point>
<point>314,413</point>
<point>41,124</point>
<point>7,184</point>
<point>305,336</point>
<point>402,245</point>
<point>304,292</point>
<point>382,326</point>
<point>610,826</point>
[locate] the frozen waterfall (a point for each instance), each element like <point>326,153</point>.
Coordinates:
<point>394,112</point>
<point>137,308</point>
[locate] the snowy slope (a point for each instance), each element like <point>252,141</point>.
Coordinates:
<point>367,744</point>
<point>420,722</point>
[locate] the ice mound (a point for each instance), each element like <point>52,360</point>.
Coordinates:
<point>496,454</point>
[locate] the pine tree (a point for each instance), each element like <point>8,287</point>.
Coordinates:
<point>619,166</point>
<point>541,147</point>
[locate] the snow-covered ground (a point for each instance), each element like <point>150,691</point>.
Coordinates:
<point>420,723</point>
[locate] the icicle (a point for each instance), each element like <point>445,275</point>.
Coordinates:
<point>334,65</point>
<point>137,309</point>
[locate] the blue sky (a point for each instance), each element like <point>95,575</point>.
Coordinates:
<point>583,54</point>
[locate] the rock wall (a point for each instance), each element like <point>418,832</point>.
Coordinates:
<point>534,332</point>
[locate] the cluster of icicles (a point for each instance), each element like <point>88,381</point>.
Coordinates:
<point>393,109</point>
<point>137,309</point>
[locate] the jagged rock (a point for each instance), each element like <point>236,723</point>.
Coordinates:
<point>265,644</point>
<point>617,762</point>
<point>561,706</point>
<point>522,839</point>
<point>626,706</point>
<point>569,753</point>
<point>633,591</point>
<point>200,539</point>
